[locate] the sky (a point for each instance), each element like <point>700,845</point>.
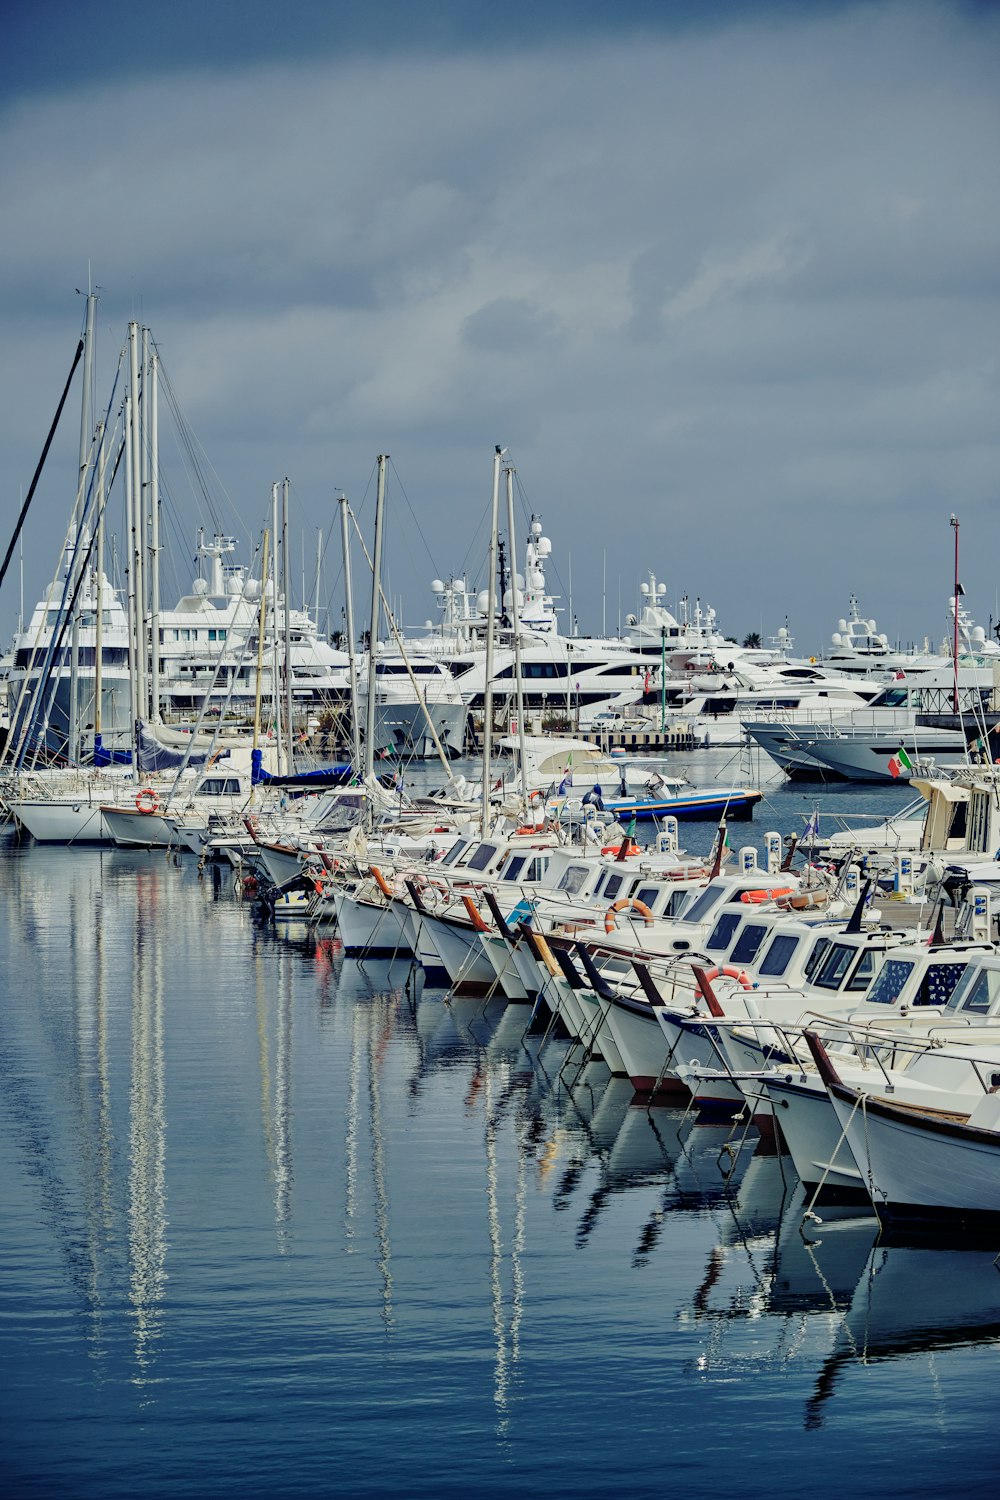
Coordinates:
<point>722,277</point>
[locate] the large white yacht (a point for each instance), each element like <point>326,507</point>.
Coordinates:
<point>209,644</point>
<point>51,663</point>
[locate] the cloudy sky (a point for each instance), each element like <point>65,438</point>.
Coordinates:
<point>723,276</point>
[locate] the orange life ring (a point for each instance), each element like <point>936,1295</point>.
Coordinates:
<point>726,971</point>
<point>775,893</point>
<point>147,801</point>
<point>611,917</point>
<point>631,847</point>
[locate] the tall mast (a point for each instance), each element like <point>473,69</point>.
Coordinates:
<point>954,524</point>
<point>349,611</point>
<point>491,614</point>
<point>261,627</point>
<point>275,660</point>
<point>286,585</point>
<point>138,518</point>
<point>99,586</point>
<point>79,541</point>
<point>373,632</point>
<point>515,615</point>
<point>133,633</point>
<point>154,533</point>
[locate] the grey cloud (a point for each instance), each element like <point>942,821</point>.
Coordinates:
<point>727,295</point>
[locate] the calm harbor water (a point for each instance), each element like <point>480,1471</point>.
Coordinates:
<point>276,1223</point>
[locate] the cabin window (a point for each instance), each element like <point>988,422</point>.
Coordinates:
<point>722,934</point>
<point>455,851</point>
<point>700,909</point>
<point>938,984</point>
<point>482,857</point>
<point>861,978</point>
<point>612,886</point>
<point>647,894</point>
<point>778,956</point>
<point>748,944</point>
<point>813,961</point>
<point>515,867</point>
<point>892,976</point>
<point>675,905</point>
<point>573,880</point>
<point>976,991</point>
<point>537,868</point>
<point>834,966</point>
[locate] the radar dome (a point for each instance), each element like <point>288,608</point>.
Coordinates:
<point>252,590</point>
<point>536,528</point>
<point>483,601</point>
<point>978,634</point>
<point>200,587</point>
<point>661,589</point>
<point>644,589</point>
<point>842,626</point>
<point>836,637</point>
<point>544,546</point>
<point>234,585</point>
<point>437,587</point>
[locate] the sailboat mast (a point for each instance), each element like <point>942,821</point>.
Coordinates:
<point>79,541</point>
<point>351,662</point>
<point>138,516</point>
<point>954,524</point>
<point>286,585</point>
<point>102,459</point>
<point>133,632</point>
<point>261,628</point>
<point>154,533</point>
<point>515,615</point>
<point>373,632</point>
<point>275,676</point>
<point>491,615</point>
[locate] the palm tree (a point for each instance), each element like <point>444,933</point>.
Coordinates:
<point>753,640</point>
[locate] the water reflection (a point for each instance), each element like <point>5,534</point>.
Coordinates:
<point>147,1199</point>
<point>463,1199</point>
<point>912,1300</point>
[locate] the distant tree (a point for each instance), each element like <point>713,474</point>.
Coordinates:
<point>752,641</point>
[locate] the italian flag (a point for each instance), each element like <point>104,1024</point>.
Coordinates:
<point>900,762</point>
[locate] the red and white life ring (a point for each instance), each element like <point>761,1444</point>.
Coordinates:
<point>147,801</point>
<point>726,971</point>
<point>627,903</point>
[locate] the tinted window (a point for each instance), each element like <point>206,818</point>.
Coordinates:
<point>747,945</point>
<point>938,984</point>
<point>973,993</point>
<point>834,966</point>
<point>862,975</point>
<point>647,893</point>
<point>515,867</point>
<point>573,879</point>
<point>722,935</point>
<point>481,858</point>
<point>612,886</point>
<point>813,961</point>
<point>778,956</point>
<point>892,976</point>
<point>704,904</point>
<point>455,851</point>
